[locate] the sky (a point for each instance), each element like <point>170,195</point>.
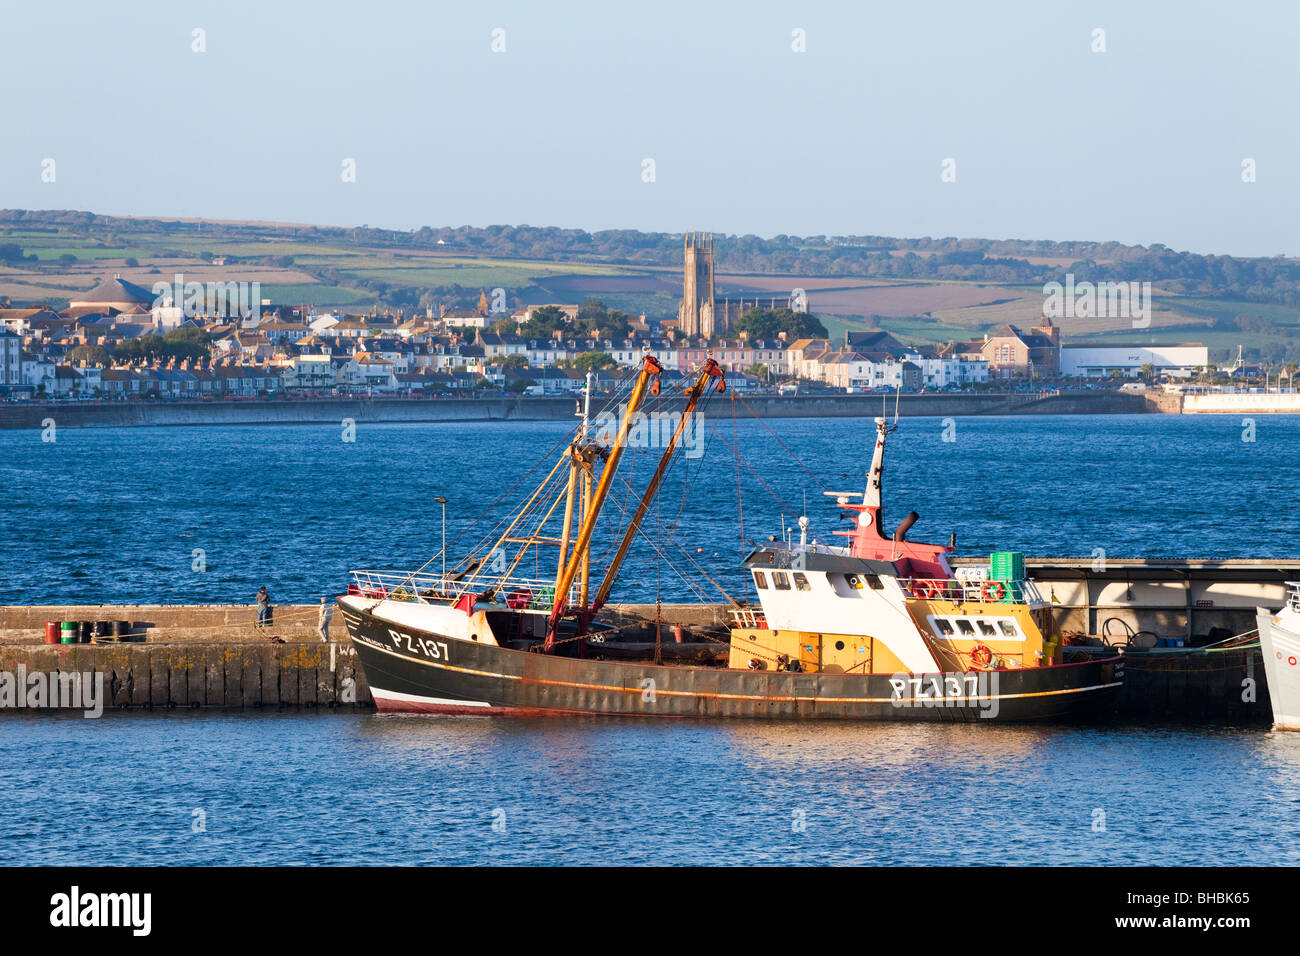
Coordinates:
<point>988,119</point>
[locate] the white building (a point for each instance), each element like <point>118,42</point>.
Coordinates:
<point>38,371</point>
<point>464,319</point>
<point>1099,361</point>
<point>543,352</point>
<point>943,372</point>
<point>11,362</point>
<point>309,371</point>
<point>323,323</point>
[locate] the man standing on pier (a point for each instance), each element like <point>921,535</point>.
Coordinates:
<point>263,607</point>
<point>323,620</point>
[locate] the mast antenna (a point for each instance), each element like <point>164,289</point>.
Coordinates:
<point>586,406</point>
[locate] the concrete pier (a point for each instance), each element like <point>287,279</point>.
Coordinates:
<point>1171,597</point>
<point>1192,686</point>
<point>212,656</point>
<point>191,674</point>
<point>196,656</point>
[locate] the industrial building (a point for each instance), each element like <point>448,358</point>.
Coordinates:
<point>1100,361</point>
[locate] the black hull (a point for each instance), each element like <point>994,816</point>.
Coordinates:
<point>416,671</point>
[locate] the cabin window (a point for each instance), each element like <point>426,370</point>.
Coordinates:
<point>854,581</point>
<point>780,581</point>
<point>760,579</point>
<point>987,629</point>
<point>964,627</point>
<point>801,582</point>
<point>1009,628</point>
<point>943,627</point>
<point>873,581</point>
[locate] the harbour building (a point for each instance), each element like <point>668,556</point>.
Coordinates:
<point>1100,361</point>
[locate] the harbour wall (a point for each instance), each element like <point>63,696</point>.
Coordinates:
<point>214,656</point>
<point>108,414</point>
<point>1170,597</point>
<point>211,656</point>
<point>1193,686</point>
<point>190,656</point>
<point>1243,403</point>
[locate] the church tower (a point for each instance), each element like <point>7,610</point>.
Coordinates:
<point>696,315</point>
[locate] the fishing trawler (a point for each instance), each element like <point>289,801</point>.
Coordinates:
<point>878,628</point>
<point>1279,643</point>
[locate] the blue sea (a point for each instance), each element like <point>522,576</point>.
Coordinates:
<point>117,515</point>
<point>108,516</point>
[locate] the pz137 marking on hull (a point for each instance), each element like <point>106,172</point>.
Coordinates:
<point>434,650</point>
<point>966,689</point>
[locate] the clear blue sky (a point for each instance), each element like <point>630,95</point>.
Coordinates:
<point>1142,143</point>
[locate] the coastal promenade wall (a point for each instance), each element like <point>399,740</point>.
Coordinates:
<point>111,414</point>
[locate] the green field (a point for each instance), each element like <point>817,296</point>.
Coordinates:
<point>313,295</point>
<point>1282,315</point>
<point>469,276</point>
<point>347,266</point>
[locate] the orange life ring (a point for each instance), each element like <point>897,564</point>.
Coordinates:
<point>990,587</point>
<point>981,656</point>
<point>925,590</point>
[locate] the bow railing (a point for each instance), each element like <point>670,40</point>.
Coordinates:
<point>516,593</point>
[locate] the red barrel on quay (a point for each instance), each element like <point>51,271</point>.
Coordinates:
<point>51,632</point>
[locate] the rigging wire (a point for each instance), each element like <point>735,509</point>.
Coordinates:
<point>622,386</point>
<point>690,558</point>
<point>796,458</point>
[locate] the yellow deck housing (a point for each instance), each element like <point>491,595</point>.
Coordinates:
<point>864,654</point>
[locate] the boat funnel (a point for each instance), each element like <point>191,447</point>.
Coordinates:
<point>904,526</point>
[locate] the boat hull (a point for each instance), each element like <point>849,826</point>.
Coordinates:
<point>1280,647</point>
<point>416,671</point>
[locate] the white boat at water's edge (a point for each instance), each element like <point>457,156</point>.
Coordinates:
<point>1279,642</point>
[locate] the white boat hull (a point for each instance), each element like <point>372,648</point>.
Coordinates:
<point>1279,643</point>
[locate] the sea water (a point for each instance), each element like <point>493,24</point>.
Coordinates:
<point>184,515</point>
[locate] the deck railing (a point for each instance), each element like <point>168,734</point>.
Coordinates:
<point>974,591</point>
<point>1293,595</point>
<point>750,618</point>
<point>518,593</point>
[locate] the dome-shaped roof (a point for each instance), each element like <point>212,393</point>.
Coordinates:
<point>118,290</point>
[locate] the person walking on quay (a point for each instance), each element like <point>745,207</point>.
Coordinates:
<point>263,607</point>
<point>323,620</point>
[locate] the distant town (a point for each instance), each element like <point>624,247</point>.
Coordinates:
<point>120,340</point>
